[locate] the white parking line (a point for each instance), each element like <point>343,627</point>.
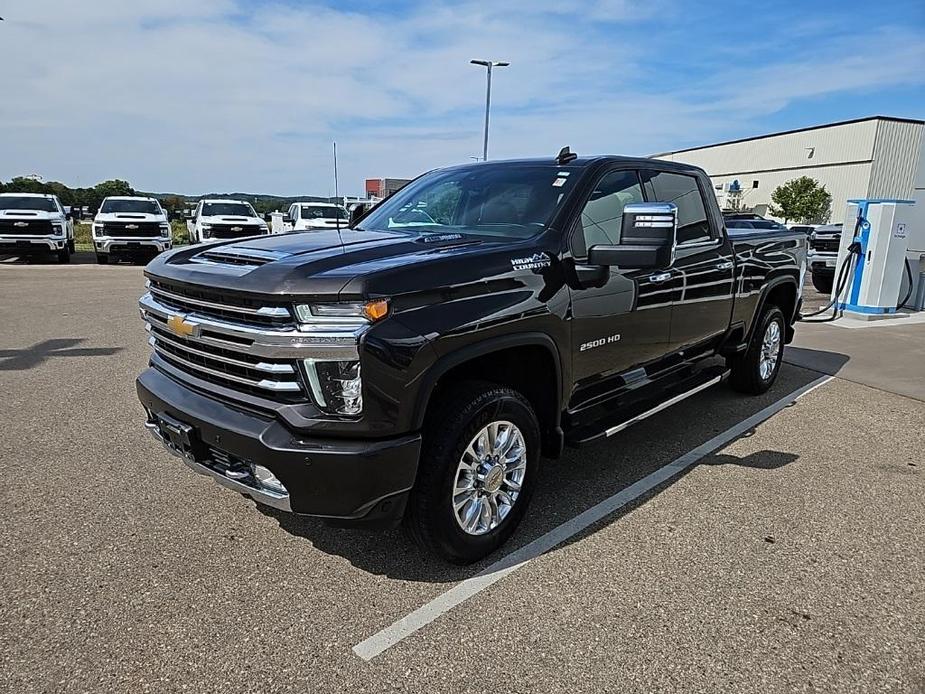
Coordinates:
<point>388,637</point>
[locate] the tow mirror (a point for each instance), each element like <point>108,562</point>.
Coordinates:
<point>646,240</point>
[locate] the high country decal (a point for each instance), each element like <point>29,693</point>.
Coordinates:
<point>537,260</point>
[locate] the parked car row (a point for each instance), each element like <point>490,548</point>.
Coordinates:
<point>138,228</point>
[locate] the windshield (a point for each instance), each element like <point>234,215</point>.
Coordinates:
<point>509,201</point>
<point>28,203</point>
<point>319,212</point>
<point>139,206</point>
<point>230,209</point>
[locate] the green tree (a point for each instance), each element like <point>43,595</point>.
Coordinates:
<point>802,200</point>
<point>24,184</point>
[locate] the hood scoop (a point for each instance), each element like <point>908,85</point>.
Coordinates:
<point>130,216</point>
<point>229,255</point>
<point>17,213</point>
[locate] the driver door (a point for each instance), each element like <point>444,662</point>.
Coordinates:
<point>620,329</point>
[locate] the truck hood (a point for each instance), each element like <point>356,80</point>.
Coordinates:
<point>128,217</point>
<point>225,219</point>
<point>326,263</point>
<point>33,215</point>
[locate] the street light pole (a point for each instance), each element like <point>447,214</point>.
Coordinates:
<point>489,64</point>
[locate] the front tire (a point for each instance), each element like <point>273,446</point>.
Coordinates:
<point>64,255</point>
<point>102,259</point>
<point>756,369</point>
<point>479,465</point>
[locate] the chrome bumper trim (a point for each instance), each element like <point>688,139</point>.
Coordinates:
<point>104,243</point>
<point>267,498</point>
<point>50,242</point>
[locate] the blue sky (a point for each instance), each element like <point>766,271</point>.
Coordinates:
<point>226,95</point>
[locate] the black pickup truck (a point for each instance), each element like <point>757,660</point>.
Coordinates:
<point>417,365</point>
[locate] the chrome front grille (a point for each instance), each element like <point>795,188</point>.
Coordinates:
<point>219,343</point>
<point>223,307</point>
<point>237,343</point>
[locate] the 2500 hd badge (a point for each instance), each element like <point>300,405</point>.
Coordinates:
<point>417,366</point>
<point>599,343</point>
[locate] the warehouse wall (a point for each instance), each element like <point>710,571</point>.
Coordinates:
<point>871,158</point>
<point>896,155</point>
<point>842,182</point>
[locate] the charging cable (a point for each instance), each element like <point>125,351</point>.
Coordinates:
<point>844,272</point>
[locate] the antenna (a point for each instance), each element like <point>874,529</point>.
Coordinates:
<point>336,196</point>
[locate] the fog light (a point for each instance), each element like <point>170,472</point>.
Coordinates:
<point>336,385</point>
<point>267,479</point>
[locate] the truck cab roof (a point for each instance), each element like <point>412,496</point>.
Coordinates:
<point>28,195</point>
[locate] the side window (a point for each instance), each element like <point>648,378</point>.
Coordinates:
<point>684,192</point>
<point>602,216</point>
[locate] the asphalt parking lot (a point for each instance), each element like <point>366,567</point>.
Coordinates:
<point>788,559</point>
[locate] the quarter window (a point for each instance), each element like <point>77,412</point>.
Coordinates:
<point>602,216</point>
<point>684,192</point>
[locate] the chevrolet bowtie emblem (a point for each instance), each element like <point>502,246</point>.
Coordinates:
<point>182,327</point>
<point>20,224</point>
<point>131,226</point>
<point>237,229</point>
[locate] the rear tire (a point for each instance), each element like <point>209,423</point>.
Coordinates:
<point>479,465</point>
<point>102,259</point>
<point>823,283</point>
<point>756,369</point>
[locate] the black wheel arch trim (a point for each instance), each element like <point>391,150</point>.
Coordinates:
<point>479,349</point>
<point>762,300</point>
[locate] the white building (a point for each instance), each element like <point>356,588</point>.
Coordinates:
<point>876,157</point>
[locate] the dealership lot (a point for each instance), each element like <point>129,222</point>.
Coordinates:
<point>788,559</point>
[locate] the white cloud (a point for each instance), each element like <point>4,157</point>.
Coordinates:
<point>215,95</point>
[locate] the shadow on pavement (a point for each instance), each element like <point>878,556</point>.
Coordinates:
<point>78,258</point>
<point>39,353</point>
<point>572,484</point>
<point>816,359</point>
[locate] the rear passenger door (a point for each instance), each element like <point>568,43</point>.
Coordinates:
<point>702,304</point>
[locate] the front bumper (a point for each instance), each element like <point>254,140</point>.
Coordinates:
<point>129,245</point>
<point>351,481</point>
<point>821,261</point>
<point>31,244</point>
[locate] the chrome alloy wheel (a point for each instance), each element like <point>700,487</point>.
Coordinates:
<point>770,351</point>
<point>489,478</point>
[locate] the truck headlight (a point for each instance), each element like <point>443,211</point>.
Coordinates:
<point>98,230</point>
<point>337,386</point>
<point>165,229</point>
<point>57,228</point>
<point>345,313</point>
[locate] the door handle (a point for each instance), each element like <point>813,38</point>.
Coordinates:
<point>659,278</point>
<point>726,265</point>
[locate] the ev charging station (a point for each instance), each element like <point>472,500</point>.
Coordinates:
<point>886,244</point>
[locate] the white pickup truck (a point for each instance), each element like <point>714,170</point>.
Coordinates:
<point>130,227</point>
<point>224,219</point>
<point>32,223</point>
<point>314,216</point>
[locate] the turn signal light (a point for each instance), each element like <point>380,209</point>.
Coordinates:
<point>376,310</point>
